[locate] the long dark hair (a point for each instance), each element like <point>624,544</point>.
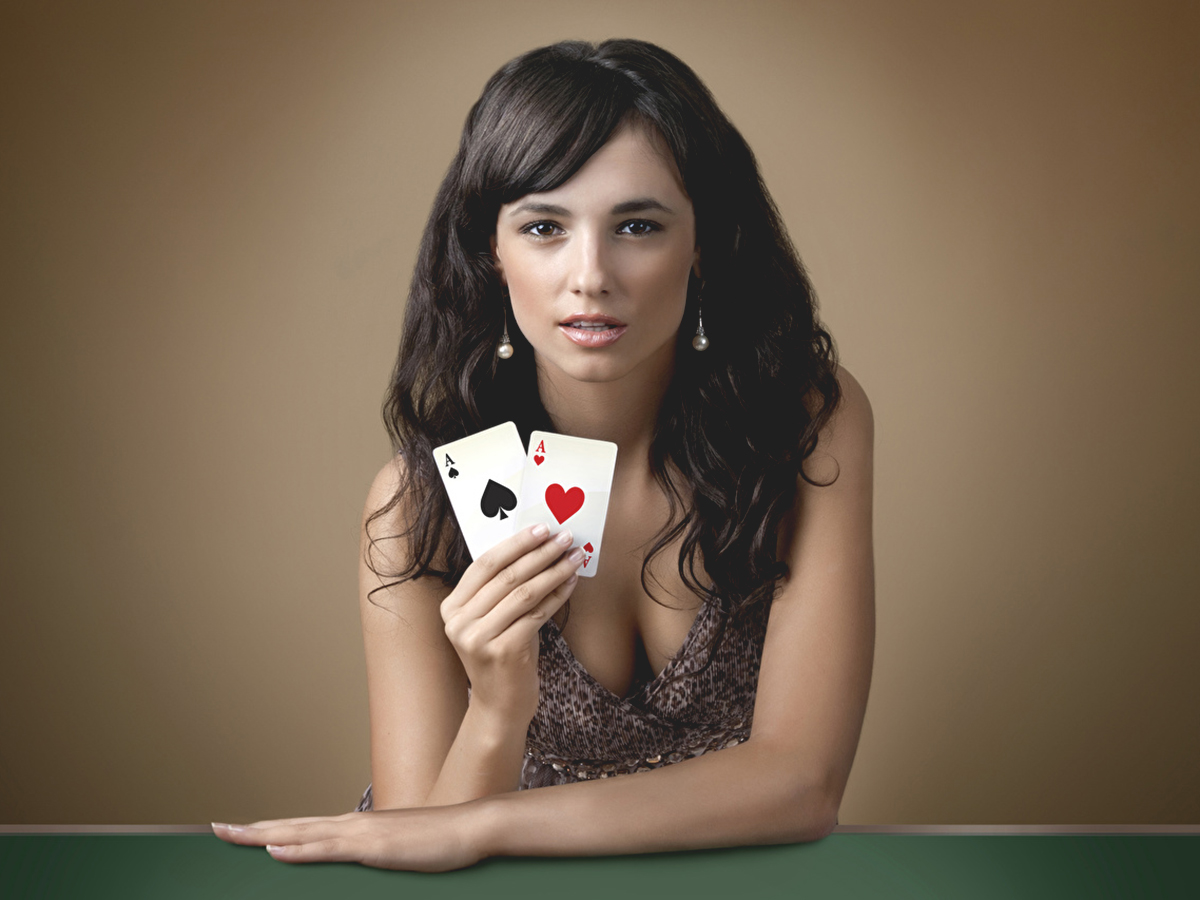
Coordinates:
<point>737,421</point>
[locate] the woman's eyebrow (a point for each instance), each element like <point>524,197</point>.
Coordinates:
<point>546,208</point>
<point>640,205</point>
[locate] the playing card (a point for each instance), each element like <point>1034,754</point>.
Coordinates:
<point>566,484</point>
<point>482,474</point>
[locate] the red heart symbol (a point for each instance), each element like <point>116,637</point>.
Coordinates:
<point>538,460</point>
<point>588,547</point>
<point>563,504</point>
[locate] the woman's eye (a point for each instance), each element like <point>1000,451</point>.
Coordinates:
<point>637,227</point>
<point>540,229</point>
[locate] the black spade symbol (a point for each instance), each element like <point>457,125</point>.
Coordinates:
<point>453,473</point>
<point>496,499</point>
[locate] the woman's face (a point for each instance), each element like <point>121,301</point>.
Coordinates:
<point>597,268</point>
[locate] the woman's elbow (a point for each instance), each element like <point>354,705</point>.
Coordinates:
<point>824,824</point>
<point>812,814</point>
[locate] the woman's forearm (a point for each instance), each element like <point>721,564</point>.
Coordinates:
<point>741,795</point>
<point>485,759</point>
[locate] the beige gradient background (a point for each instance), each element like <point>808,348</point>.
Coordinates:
<point>210,212</point>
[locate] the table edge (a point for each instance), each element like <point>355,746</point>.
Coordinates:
<point>840,829</point>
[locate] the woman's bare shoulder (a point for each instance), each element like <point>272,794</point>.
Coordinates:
<point>389,516</point>
<point>853,416</point>
<point>842,458</point>
<point>852,397</point>
<point>848,435</point>
<point>385,484</point>
<point>386,515</point>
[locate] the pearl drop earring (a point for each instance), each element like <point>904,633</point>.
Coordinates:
<point>700,341</point>
<point>505,350</point>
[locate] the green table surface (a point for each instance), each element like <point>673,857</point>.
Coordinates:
<point>842,865</point>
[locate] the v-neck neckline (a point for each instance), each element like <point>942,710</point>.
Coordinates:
<point>643,691</point>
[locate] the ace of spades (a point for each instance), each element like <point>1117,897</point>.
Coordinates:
<point>566,484</point>
<point>482,475</point>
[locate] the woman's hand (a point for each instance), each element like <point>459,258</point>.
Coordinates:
<point>493,615</point>
<point>432,839</point>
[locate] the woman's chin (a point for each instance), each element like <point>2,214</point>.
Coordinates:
<point>597,372</point>
<point>589,367</point>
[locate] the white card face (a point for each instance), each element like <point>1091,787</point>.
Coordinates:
<point>482,474</point>
<point>566,485</point>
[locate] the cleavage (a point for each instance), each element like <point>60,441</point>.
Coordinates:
<point>614,653</point>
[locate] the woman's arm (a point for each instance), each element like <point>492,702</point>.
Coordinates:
<point>423,641</point>
<point>416,686</point>
<point>784,784</point>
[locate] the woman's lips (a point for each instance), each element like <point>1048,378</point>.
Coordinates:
<point>593,337</point>
<point>592,329</point>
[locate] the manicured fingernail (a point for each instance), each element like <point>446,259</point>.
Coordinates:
<point>576,555</point>
<point>564,538</point>
<point>232,829</point>
<point>539,530</point>
<point>572,580</point>
<point>275,849</point>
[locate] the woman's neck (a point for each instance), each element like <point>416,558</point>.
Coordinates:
<point>624,411</point>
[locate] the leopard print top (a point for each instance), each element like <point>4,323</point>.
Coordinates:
<point>582,730</point>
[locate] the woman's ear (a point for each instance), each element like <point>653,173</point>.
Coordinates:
<point>695,264</point>
<point>496,264</point>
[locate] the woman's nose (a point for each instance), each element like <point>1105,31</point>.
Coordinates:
<point>589,266</point>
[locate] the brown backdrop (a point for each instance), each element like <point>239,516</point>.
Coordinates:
<point>210,212</point>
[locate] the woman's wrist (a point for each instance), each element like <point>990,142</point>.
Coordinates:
<point>496,727</point>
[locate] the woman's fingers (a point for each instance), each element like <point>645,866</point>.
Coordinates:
<point>492,563</point>
<point>535,600</point>
<point>281,831</point>
<point>329,850</point>
<point>516,577</point>
<point>313,839</point>
<point>425,840</point>
<point>554,600</point>
<point>526,626</point>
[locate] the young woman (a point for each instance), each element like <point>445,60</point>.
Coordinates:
<point>604,261</point>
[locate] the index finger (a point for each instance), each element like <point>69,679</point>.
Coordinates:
<point>499,557</point>
<point>259,833</point>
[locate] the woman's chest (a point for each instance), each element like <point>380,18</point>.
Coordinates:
<point>618,631</point>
